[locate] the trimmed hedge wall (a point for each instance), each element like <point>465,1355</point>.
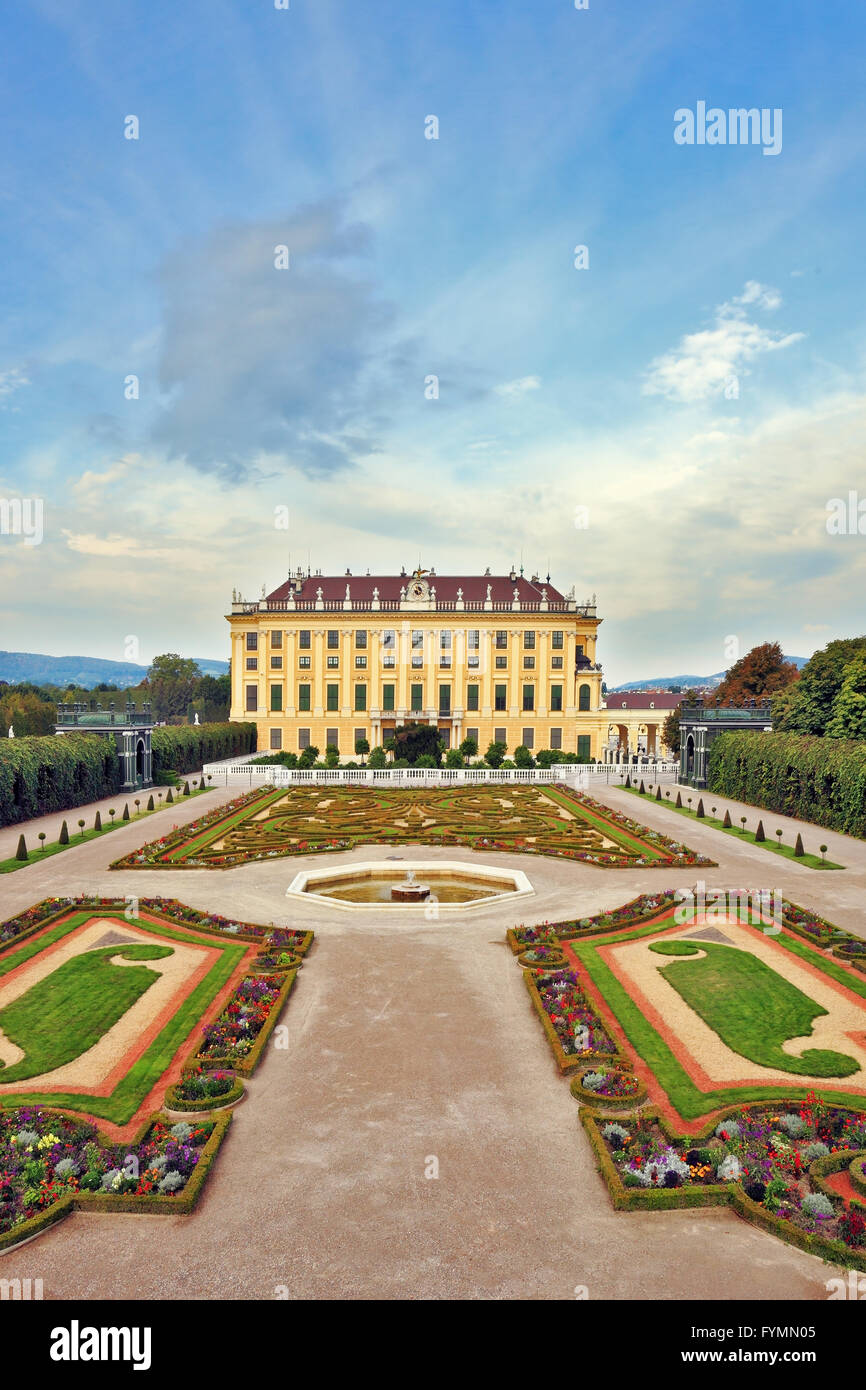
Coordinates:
<point>187,747</point>
<point>822,780</point>
<point>50,773</point>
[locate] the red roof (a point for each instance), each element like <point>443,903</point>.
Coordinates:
<point>474,587</point>
<point>642,699</point>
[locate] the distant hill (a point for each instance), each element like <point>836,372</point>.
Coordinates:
<point>689,682</point>
<point>86,671</point>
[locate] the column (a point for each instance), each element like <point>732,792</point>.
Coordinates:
<point>516,658</point>
<point>346,700</point>
<point>431,673</point>
<point>318,673</point>
<point>290,658</point>
<point>486,651</point>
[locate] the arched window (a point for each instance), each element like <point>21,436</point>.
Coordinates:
<point>583,697</point>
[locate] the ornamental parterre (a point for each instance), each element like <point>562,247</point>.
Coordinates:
<point>578,1027</point>
<point>235,1031</point>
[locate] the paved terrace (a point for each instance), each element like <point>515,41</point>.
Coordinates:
<point>411,1038</point>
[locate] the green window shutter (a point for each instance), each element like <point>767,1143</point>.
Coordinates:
<point>276,699</point>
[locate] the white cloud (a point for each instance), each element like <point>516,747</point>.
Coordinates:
<point>11,381</point>
<point>518,387</point>
<point>112,546</point>
<point>704,362</point>
<point>91,482</point>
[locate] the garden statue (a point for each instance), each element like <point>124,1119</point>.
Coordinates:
<point>11,731</point>
<point>195,720</point>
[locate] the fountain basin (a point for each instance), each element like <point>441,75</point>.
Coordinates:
<point>374,886</point>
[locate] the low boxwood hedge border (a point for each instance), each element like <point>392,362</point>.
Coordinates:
<point>564,1060</point>
<point>176,1103</point>
<point>246,1065</point>
<point>555,963</point>
<point>602,1102</point>
<point>715,1194</point>
<point>857,1173</point>
<point>157,1205</point>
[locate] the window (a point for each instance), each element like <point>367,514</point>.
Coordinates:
<point>332,739</point>
<point>252,663</point>
<point>529,663</point>
<point>556,738</point>
<point>529,738</point>
<point>529,697</point>
<point>332,697</point>
<point>276,738</point>
<point>360,697</point>
<point>445,649</point>
<point>360,737</point>
<point>333,663</point>
<point>252,641</point>
<point>252,698</point>
<point>276,663</point>
<point>501,663</point>
<point>499,736</point>
<point>445,699</point>
<point>361,663</point>
<point>388,639</point>
<point>501,638</point>
<point>529,641</point>
<point>500,698</point>
<point>579,650</point>
<point>472,697</point>
<point>583,697</point>
<point>556,663</point>
<point>417,698</point>
<point>304,662</point>
<point>417,647</point>
<point>333,637</point>
<point>361,641</point>
<point>557,640</point>
<point>388,697</point>
<point>303,739</point>
<point>277,640</point>
<point>303,639</point>
<point>473,734</point>
<point>583,747</point>
<point>556,697</point>
<point>276,698</point>
<point>472,645</point>
<point>303,697</point>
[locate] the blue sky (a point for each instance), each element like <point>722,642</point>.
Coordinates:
<point>606,389</point>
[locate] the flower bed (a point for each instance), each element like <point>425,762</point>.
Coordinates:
<point>204,1090</point>
<point>51,1163</point>
<point>608,1087</point>
<point>857,1174</point>
<point>574,1029</point>
<point>238,1036</point>
<point>631,914</point>
<point>548,956</point>
<point>763,1159</point>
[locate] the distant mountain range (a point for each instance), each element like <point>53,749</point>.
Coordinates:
<point>86,671</point>
<point>691,682</point>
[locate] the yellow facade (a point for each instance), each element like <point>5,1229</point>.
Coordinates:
<point>518,670</point>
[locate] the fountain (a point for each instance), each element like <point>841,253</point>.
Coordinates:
<point>410,890</point>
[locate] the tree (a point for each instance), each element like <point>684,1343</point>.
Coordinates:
<point>27,712</point>
<point>670,736</point>
<point>416,740</point>
<point>308,756</point>
<point>763,671</point>
<point>523,757</point>
<point>495,754</point>
<point>171,680</point>
<point>810,708</point>
<point>454,758</point>
<point>848,718</point>
<point>332,755</point>
<point>469,748</point>
<point>377,758</point>
<point>213,695</point>
<point>362,747</point>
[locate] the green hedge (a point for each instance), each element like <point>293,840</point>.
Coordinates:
<point>822,780</point>
<point>55,773</point>
<point>187,747</point>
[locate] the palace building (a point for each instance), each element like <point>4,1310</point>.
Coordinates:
<point>330,660</point>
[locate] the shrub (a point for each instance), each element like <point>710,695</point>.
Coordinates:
<point>822,780</point>
<point>97,821</point>
<point>816,1204</point>
<point>760,837</point>
<point>658,793</point>
<point>642,788</point>
<point>170,796</point>
<point>186,748</point>
<point>679,800</point>
<point>63,838</point>
<point>727,1129</point>
<point>172,1182</point>
<point>798,847</point>
<point>21,851</point>
<point>756,1190</point>
<point>700,811</point>
<point>727,822</point>
<point>793,1125</point>
<point>41,774</point>
<point>125,815</point>
<point>729,1169</point>
<point>592,1080</point>
<point>150,802</point>
<point>615,1135</point>
<point>810,1152</point>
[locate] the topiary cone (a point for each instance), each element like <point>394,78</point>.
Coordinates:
<point>150,802</point>
<point>97,821</point>
<point>126,812</point>
<point>186,789</point>
<point>798,848</point>
<point>170,796</point>
<point>642,788</point>
<point>759,833</point>
<point>727,821</point>
<point>700,810</point>
<point>658,793</point>
<point>679,800</point>
<point>628,780</point>
<point>21,851</point>
<point>63,838</point>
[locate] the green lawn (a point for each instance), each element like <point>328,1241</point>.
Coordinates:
<point>751,1007</point>
<point>690,1102</point>
<point>132,1089</point>
<point>35,853</point>
<point>67,1012</point>
<point>772,843</point>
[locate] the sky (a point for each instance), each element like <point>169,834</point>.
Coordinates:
<point>515,318</point>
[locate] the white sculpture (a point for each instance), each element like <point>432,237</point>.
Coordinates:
<point>11,731</point>
<point>195,720</point>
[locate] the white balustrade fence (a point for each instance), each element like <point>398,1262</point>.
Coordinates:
<point>583,776</point>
